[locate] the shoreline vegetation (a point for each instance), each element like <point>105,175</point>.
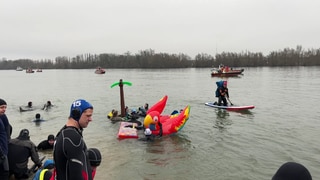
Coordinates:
<point>149,59</point>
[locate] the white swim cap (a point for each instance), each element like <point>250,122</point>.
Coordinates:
<point>147,132</point>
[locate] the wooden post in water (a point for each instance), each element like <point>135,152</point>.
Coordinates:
<point>122,106</point>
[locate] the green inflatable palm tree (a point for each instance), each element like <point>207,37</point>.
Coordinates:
<point>121,83</point>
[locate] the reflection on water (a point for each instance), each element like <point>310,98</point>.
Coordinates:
<point>242,145</point>
<point>225,78</point>
<point>167,149</point>
<point>222,120</point>
<point>162,145</point>
<point>223,117</point>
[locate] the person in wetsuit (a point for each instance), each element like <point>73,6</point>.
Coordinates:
<point>47,106</point>
<point>223,93</point>
<point>94,156</point>
<point>20,149</point>
<point>70,150</point>
<point>47,172</point>
<point>148,135</point>
<point>46,144</point>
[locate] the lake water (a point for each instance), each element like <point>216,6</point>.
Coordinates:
<point>214,144</point>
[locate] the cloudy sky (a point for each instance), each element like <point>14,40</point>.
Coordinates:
<point>45,29</point>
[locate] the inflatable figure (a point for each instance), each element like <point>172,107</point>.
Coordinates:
<point>170,123</point>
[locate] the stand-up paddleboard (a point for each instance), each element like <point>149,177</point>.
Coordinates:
<point>230,108</point>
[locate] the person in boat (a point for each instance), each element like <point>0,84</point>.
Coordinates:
<point>46,144</point>
<point>223,94</point>
<point>221,68</point>
<point>47,106</point>
<point>20,150</point>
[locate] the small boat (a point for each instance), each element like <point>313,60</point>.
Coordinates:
<point>99,70</point>
<point>29,70</point>
<point>19,68</point>
<point>39,70</point>
<point>225,71</point>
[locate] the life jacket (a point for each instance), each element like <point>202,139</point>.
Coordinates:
<point>219,85</point>
<point>40,175</point>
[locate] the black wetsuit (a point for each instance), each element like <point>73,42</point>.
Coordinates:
<point>43,145</point>
<point>20,149</point>
<point>70,155</point>
<point>223,92</point>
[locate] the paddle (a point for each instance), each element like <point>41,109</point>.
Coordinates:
<point>229,101</point>
<point>34,168</point>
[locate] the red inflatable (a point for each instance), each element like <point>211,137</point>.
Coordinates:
<point>170,123</point>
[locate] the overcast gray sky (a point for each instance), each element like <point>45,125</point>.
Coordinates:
<point>45,29</point>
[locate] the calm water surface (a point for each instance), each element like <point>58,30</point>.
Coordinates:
<point>214,144</point>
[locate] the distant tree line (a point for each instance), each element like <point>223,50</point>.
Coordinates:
<point>149,59</point>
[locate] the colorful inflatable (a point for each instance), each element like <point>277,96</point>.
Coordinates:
<point>127,130</point>
<point>170,123</point>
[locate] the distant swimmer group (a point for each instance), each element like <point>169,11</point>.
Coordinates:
<point>30,107</point>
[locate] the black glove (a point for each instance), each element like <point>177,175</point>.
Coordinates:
<point>39,165</point>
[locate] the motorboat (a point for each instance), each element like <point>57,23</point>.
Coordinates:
<point>100,70</point>
<point>225,71</point>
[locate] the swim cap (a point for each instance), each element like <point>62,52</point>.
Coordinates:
<point>292,170</point>
<point>38,116</point>
<point>94,157</point>
<point>147,132</point>
<point>2,102</point>
<point>48,164</point>
<point>78,107</point>
<point>24,134</point>
<point>50,137</point>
